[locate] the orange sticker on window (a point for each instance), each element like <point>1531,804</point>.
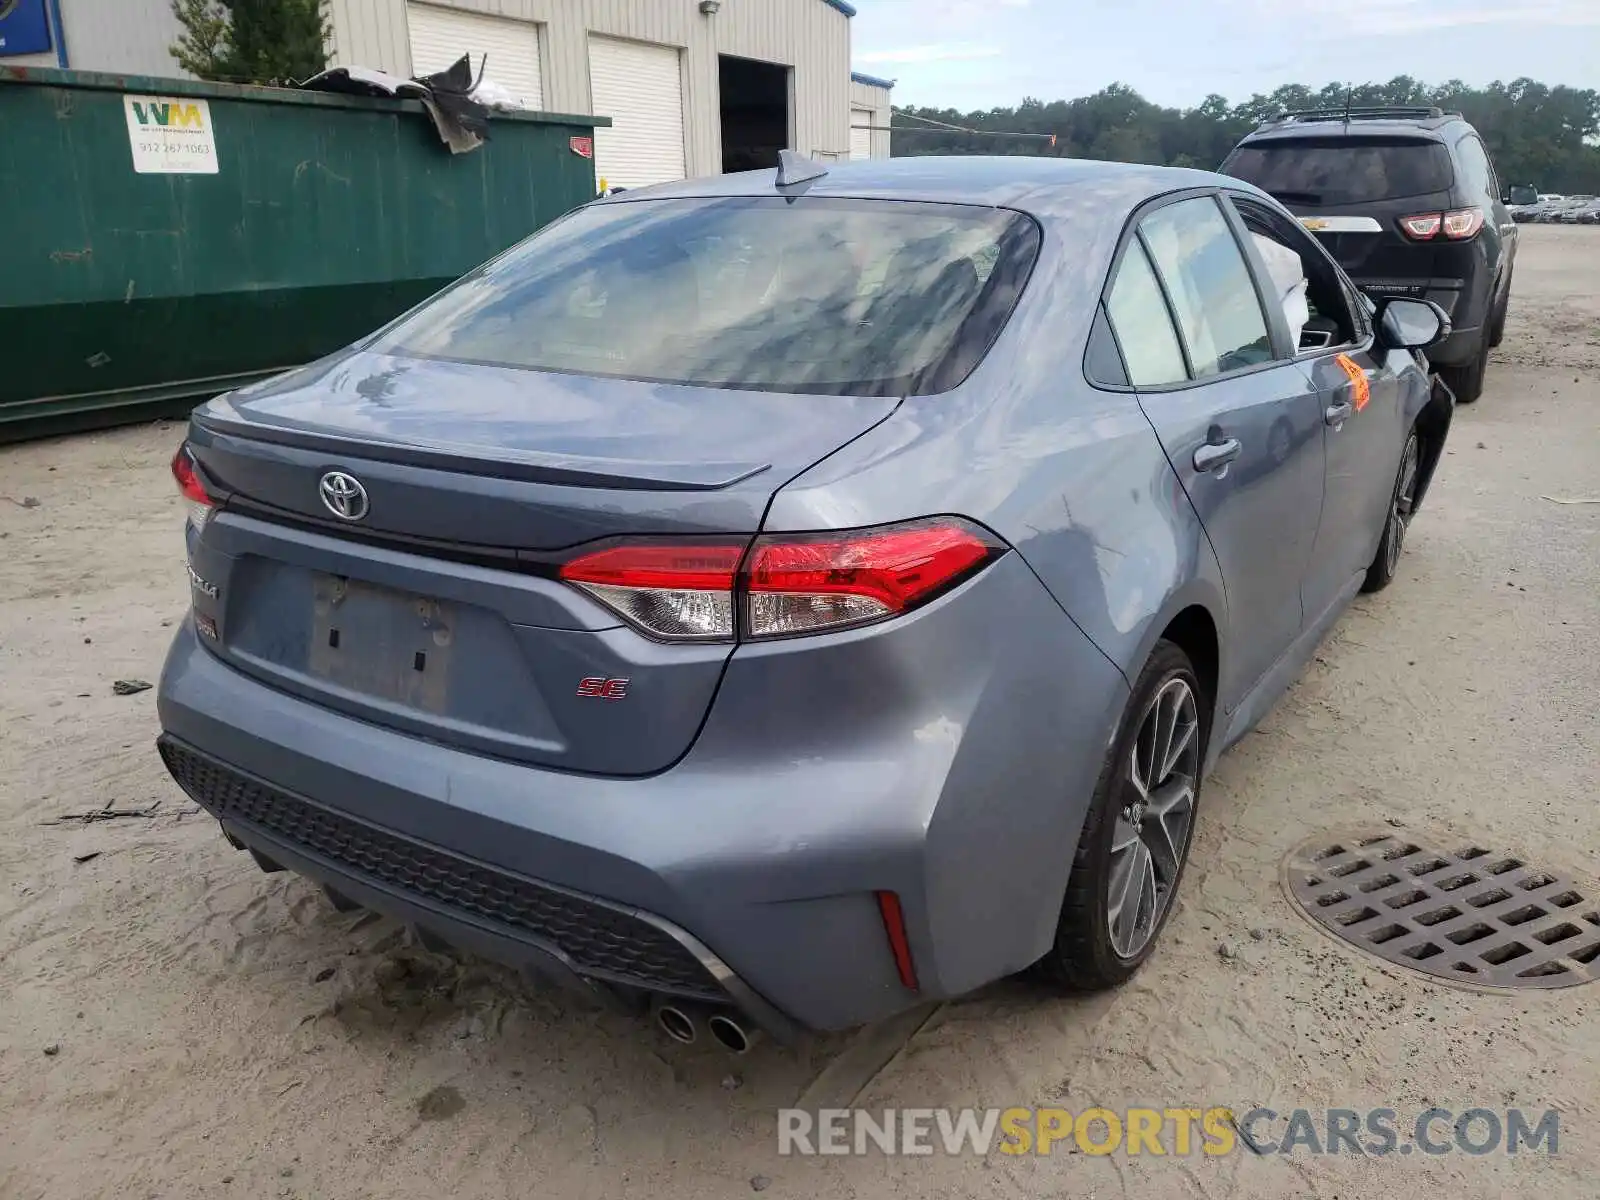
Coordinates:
<point>1358,380</point>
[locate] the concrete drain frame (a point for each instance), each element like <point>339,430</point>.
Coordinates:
<point>1450,910</point>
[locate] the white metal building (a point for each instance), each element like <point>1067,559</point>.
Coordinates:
<point>869,116</point>
<point>692,87</point>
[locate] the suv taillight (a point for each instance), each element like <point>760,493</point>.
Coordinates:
<point>783,584</point>
<point>1458,225</point>
<point>198,500</point>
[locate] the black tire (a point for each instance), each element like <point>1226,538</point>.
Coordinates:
<point>1397,519</point>
<point>1084,956</point>
<point>1466,381</point>
<point>1497,324</point>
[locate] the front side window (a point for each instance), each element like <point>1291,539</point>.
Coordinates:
<point>809,295</point>
<point>1326,318</point>
<point>1213,295</point>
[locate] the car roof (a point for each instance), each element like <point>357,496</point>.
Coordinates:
<point>1038,186</point>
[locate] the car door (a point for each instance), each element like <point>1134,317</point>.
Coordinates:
<point>1238,420</point>
<point>1359,396</point>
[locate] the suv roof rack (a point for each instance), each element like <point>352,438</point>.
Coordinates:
<point>1362,113</point>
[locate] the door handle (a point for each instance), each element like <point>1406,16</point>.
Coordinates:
<point>1215,456</point>
<point>1338,414</point>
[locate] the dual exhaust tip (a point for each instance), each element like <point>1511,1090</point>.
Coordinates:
<point>681,1024</point>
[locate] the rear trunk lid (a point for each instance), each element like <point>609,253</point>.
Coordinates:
<point>430,604</point>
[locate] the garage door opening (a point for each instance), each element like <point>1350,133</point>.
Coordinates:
<point>755,112</point>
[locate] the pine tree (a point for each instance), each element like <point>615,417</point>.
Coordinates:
<point>252,41</point>
<point>276,40</point>
<point>205,35</point>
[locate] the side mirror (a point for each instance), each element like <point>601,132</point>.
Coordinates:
<point>1412,324</point>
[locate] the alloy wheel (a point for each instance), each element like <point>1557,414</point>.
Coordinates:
<point>1405,495</point>
<point>1153,826</point>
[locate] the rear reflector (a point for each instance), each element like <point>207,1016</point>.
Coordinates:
<point>199,502</point>
<point>791,584</point>
<point>894,924</point>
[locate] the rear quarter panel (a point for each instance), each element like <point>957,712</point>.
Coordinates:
<point>1073,477</point>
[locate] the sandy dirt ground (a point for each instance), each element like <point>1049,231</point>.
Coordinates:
<point>174,1023</point>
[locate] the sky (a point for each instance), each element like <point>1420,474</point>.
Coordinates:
<point>975,54</point>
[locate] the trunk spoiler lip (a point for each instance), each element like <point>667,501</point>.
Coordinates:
<point>530,467</point>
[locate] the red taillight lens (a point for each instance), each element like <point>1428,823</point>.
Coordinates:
<point>1463,223</point>
<point>1459,224</point>
<point>675,590</point>
<point>793,584</point>
<point>194,492</point>
<point>800,584</point>
<point>1422,226</point>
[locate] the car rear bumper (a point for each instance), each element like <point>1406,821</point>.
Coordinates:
<point>953,769</point>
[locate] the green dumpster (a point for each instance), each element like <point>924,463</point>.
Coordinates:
<point>167,240</point>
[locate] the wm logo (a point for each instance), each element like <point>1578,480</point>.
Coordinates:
<point>169,116</point>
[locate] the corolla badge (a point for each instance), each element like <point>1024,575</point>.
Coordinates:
<point>204,586</point>
<point>343,495</point>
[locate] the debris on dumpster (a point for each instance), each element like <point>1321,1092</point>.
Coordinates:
<point>462,121</point>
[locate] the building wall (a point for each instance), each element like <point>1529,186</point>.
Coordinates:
<point>129,36</point>
<point>871,96</point>
<point>811,36</point>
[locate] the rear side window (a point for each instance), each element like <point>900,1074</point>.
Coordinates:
<point>845,297</point>
<point>1475,168</point>
<point>1142,324</point>
<point>1212,292</point>
<point>1336,171</point>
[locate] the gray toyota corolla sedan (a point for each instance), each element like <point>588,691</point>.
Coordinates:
<point>789,597</point>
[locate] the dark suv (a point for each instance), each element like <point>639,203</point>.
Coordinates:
<point>1407,200</point>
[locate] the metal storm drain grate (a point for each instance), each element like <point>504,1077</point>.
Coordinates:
<point>1469,915</point>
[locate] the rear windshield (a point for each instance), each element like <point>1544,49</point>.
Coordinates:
<point>1343,170</point>
<point>846,297</point>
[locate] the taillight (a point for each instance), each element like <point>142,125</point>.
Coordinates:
<point>680,591</point>
<point>1463,223</point>
<point>790,584</point>
<point>1458,224</point>
<point>1422,226</point>
<point>798,584</point>
<point>198,500</point>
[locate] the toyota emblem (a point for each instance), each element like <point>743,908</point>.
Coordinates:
<point>343,496</point>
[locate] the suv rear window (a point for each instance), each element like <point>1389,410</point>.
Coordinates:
<point>1332,171</point>
<point>818,295</point>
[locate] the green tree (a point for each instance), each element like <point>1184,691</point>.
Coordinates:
<point>1537,134</point>
<point>252,41</point>
<point>205,37</point>
<point>277,39</point>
